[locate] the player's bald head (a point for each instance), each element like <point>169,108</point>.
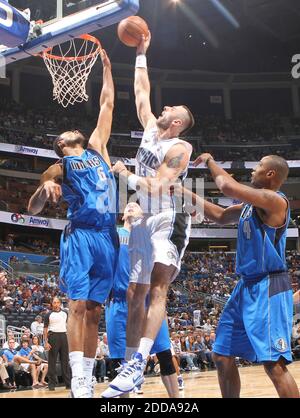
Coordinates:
<point>279,165</point>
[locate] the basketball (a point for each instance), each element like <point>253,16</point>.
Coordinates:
<point>130,30</point>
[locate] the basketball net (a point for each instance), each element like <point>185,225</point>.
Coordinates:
<point>70,65</point>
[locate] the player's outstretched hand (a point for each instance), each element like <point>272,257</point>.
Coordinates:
<point>118,168</point>
<point>144,45</point>
<point>52,190</point>
<point>105,60</point>
<point>202,159</point>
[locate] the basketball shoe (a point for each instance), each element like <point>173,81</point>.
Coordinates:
<point>131,375</point>
<point>79,388</point>
<point>91,385</point>
<point>180,383</point>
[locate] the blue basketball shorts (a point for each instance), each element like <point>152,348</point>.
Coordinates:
<point>116,313</point>
<point>88,262</point>
<point>256,323</point>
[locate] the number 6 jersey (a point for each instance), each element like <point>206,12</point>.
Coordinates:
<point>90,190</point>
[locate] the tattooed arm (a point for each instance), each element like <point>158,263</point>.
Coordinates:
<point>175,163</point>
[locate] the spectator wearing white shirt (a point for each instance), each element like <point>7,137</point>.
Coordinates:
<point>207,327</point>
<point>37,326</point>
<point>100,366</point>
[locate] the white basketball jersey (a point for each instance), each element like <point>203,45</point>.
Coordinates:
<point>150,156</point>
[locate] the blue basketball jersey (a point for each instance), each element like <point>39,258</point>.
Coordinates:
<point>90,190</point>
<point>260,248</point>
<point>121,278</point>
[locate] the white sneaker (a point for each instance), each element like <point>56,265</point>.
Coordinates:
<point>91,385</point>
<point>79,388</point>
<point>180,383</point>
<point>132,375</point>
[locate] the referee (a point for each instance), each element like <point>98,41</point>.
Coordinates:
<point>55,340</point>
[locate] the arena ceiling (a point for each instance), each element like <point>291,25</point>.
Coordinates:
<point>243,36</point>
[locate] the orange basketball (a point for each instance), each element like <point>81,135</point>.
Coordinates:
<point>130,30</point>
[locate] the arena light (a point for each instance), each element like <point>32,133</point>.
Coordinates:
<point>225,12</point>
<point>198,23</point>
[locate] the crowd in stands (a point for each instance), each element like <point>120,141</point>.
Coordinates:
<point>15,195</point>
<point>39,246</point>
<point>194,306</point>
<point>27,295</point>
<point>38,127</point>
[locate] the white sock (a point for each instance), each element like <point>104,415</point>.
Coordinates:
<point>76,363</point>
<point>88,367</point>
<point>145,347</point>
<point>129,352</point>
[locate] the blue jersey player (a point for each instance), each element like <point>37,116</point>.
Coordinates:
<point>116,314</point>
<point>256,323</point>
<point>89,244</point>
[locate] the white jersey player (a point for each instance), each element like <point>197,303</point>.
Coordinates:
<point>158,240</point>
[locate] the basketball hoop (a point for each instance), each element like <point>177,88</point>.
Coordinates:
<point>70,65</point>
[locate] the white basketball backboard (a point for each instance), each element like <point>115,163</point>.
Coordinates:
<point>65,19</point>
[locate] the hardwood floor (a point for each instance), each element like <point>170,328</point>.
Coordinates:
<point>255,384</point>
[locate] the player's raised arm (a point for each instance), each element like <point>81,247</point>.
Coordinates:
<point>264,198</point>
<point>48,189</point>
<point>211,211</point>
<point>142,86</point>
<point>101,134</point>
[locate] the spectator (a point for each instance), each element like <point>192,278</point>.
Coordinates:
<point>106,355</point>
<point>10,335</point>
<point>4,378</point>
<point>100,366</point>
<point>296,331</point>
<point>200,351</point>
<point>14,361</point>
<point>187,356</point>
<point>37,326</point>
<point>39,353</point>
<point>207,327</point>
<point>27,352</point>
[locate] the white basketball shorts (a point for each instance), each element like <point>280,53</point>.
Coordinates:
<point>160,238</point>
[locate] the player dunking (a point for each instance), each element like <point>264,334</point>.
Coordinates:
<point>256,323</point>
<point>116,313</point>
<point>89,244</point>
<point>157,241</point>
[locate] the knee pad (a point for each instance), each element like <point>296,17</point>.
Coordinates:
<point>166,363</point>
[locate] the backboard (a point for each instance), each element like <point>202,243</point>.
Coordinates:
<point>65,19</point>
<point>51,10</point>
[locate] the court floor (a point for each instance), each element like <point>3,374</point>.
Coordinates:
<point>255,384</point>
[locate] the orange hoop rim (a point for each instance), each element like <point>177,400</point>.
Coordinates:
<point>86,37</point>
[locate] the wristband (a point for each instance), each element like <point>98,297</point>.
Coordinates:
<point>141,61</point>
<point>132,181</point>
